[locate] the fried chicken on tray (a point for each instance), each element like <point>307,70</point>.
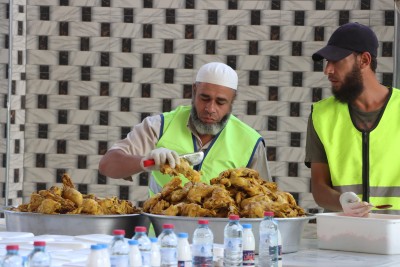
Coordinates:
<point>68,200</point>
<point>238,191</point>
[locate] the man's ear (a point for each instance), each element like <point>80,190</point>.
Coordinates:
<point>365,60</point>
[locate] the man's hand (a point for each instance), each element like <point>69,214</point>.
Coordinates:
<point>161,156</point>
<point>352,205</point>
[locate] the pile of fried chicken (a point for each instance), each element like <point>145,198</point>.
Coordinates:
<point>68,200</point>
<point>238,191</point>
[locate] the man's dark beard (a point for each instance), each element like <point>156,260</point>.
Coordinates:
<point>351,88</point>
<point>204,128</point>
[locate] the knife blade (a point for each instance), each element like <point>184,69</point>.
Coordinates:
<point>382,207</point>
<point>193,159</point>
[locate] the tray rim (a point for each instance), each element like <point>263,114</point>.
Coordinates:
<point>7,211</point>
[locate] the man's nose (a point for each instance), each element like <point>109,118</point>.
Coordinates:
<point>328,68</point>
<point>210,107</point>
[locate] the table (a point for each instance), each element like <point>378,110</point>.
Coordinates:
<point>72,251</point>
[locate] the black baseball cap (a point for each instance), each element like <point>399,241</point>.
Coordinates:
<point>348,38</point>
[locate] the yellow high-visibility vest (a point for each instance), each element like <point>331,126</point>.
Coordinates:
<point>233,147</point>
<point>362,161</point>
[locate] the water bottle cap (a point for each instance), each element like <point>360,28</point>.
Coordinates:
<point>269,213</point>
<point>39,243</point>
<point>102,245</point>
<point>12,247</point>
<point>95,247</point>
<point>203,221</point>
<point>168,226</point>
<point>140,229</point>
<point>234,217</point>
<point>119,232</point>
<point>246,225</point>
<point>153,239</point>
<point>133,242</point>
<point>183,235</point>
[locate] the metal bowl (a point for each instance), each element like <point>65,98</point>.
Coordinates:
<point>291,228</point>
<point>72,224</point>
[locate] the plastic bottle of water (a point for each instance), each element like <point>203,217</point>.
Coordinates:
<point>184,251</point>
<point>155,252</point>
<point>39,257</point>
<point>233,242</point>
<point>249,245</point>
<point>268,246</point>
<point>202,245</point>
<point>144,245</point>
<point>119,249</point>
<point>168,242</point>
<point>104,254</point>
<point>135,257</point>
<point>12,258</point>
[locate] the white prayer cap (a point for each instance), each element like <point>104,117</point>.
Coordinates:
<point>218,73</point>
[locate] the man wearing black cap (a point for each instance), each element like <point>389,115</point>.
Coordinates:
<point>353,137</point>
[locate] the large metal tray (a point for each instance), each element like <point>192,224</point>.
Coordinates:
<point>72,224</point>
<point>291,228</point>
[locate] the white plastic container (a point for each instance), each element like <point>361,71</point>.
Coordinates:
<point>377,233</point>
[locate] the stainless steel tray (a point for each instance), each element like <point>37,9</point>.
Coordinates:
<point>72,224</point>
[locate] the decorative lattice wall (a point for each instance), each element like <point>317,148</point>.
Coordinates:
<point>84,72</point>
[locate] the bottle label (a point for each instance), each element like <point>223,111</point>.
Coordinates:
<point>168,256</point>
<point>146,258</point>
<point>248,257</point>
<point>273,251</point>
<point>202,261</point>
<point>184,264</point>
<point>202,250</point>
<point>119,261</point>
<point>233,244</point>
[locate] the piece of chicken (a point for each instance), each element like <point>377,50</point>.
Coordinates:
<point>180,194</point>
<point>73,195</point>
<point>174,184</point>
<point>198,192</point>
<point>151,202</point>
<point>49,206</point>
<point>183,168</point>
<point>195,210</point>
<point>36,200</point>
<point>219,198</point>
<point>159,207</point>
<point>66,204</point>
<point>91,206</point>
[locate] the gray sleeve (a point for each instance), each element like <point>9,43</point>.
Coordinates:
<point>315,151</point>
<point>142,138</point>
<point>260,163</point>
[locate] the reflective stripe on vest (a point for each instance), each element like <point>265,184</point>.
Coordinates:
<point>225,152</point>
<point>353,155</point>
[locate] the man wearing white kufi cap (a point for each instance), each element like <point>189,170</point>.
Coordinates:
<point>218,73</point>
<point>207,125</point>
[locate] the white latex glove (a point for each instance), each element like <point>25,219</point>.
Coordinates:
<point>353,206</point>
<point>161,156</point>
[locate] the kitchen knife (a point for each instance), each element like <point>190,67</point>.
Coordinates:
<point>193,159</point>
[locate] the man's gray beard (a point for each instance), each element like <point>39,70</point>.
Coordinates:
<point>203,128</point>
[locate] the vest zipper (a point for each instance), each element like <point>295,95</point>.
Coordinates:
<point>365,166</point>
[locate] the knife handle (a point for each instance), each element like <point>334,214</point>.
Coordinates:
<point>148,162</point>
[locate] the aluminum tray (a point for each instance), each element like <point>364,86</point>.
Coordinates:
<point>72,224</point>
<point>291,228</point>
